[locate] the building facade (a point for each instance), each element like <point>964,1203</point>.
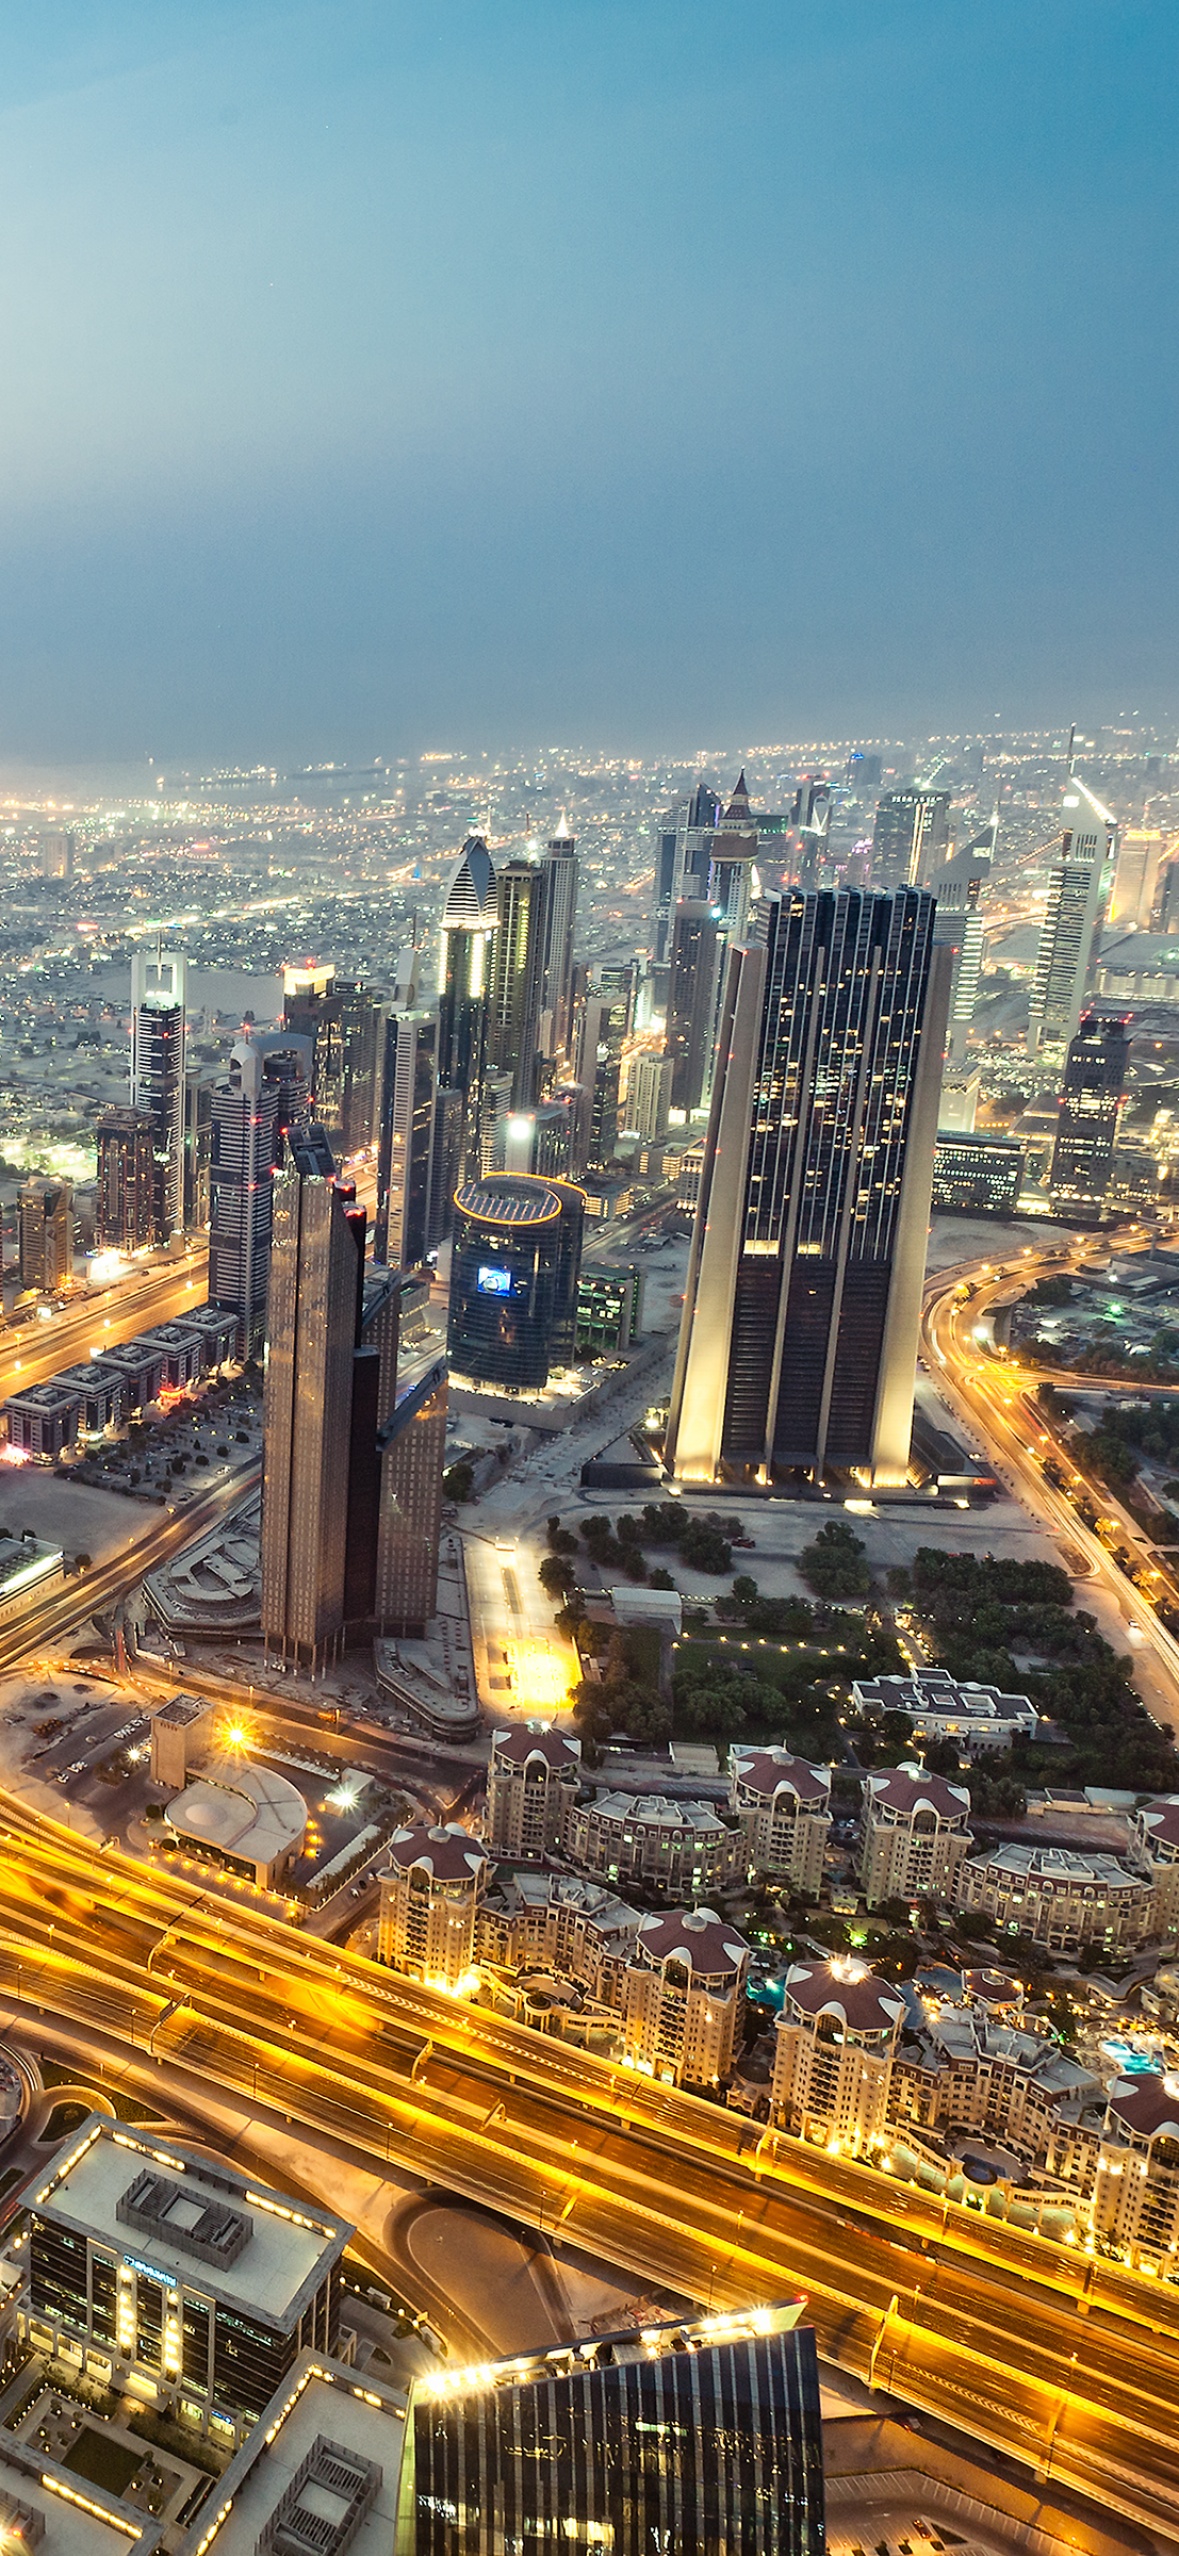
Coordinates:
<point>405,1151</point>
<point>1090,1107</point>
<point>834,2046</point>
<point>683,1850</point>
<point>254,1105</point>
<point>1078,887</point>
<point>910,838</point>
<point>411,1447</point>
<point>977,1175</point>
<point>915,1835</point>
<point>533,1776</point>
<point>515,1263</point>
<point>980,1720</point>
<point>158,1043</point>
<point>45,1212</point>
<point>470,918</point>
<point>430,1897</point>
<point>685,1997</point>
<point>317,1262</point>
<point>1061,1899</point>
<point>125,1203</point>
<point>798,1340</point>
<point>784,1807</point>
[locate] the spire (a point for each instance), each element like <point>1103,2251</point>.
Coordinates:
<point>562,834</point>
<point>739,803</point>
<point>470,899</point>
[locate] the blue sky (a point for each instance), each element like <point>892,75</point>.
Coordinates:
<point>380,376</point>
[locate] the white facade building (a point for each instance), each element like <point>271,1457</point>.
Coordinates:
<point>683,1849</point>
<point>978,1719</point>
<point>784,1807</point>
<point>685,1995</point>
<point>1060,1898</point>
<point>915,1835</point>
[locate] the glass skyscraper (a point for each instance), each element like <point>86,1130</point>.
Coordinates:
<point>798,1340</point>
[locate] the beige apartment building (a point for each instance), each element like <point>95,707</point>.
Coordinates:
<point>915,1835</point>
<point>685,1996</point>
<point>532,1779</point>
<point>431,1891</point>
<point>784,1807</point>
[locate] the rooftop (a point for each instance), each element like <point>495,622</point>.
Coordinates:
<point>1057,1864</point>
<point>908,1788</point>
<point>536,1739</point>
<point>289,2245</point>
<point>697,1936</point>
<point>847,1989</point>
<point>242,1810</point>
<point>774,1770</point>
<point>657,1810</point>
<point>337,2504</point>
<point>450,1854</point>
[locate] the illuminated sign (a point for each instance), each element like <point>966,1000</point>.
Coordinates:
<point>495,1282</point>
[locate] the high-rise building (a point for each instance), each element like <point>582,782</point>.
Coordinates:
<point>58,847</point>
<point>685,1997</point>
<point>533,1775</point>
<point>430,1895</point>
<point>911,836</point>
<point>309,1432</point>
<point>811,819</point>
<point>730,869</point>
<point>470,917</point>
<point>834,2046</point>
<point>411,1447</point>
<point>556,992</point>
<point>977,1175</point>
<point>604,1009</point>
<point>915,1835</point>
<point>262,1095</point>
<point>46,1212</point>
<point>683,857</point>
<point>1090,1106</point>
<point>518,975</point>
<point>798,1341</point>
<point>784,1807</point>
<point>361,1022</point>
<point>1135,885</point>
<point>696,952</point>
<point>1078,885</point>
<point>679,2437</point>
<point>158,987</point>
<point>313,1004</point>
<point>125,1204</point>
<point>960,887</point>
<point>405,1151</point>
<point>648,1097</point>
<point>198,1149</point>
<point>513,1280</point>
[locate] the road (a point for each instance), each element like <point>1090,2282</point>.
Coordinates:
<point>71,1602</point>
<point>1057,2358</point>
<point>984,1395</point>
<point>102,1318</point>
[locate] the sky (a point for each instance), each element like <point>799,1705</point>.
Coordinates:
<point>380,376</point>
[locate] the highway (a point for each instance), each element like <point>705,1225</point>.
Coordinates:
<point>984,1394</point>
<point>102,1318</point>
<point>71,1602</point>
<point>1055,2356</point>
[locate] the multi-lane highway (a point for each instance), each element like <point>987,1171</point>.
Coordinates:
<point>1034,2349</point>
<point>102,1318</point>
<point>70,1602</point>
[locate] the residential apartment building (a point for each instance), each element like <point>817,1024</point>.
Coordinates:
<point>1154,1849</point>
<point>685,1997</point>
<point>915,1835</point>
<point>559,1922</point>
<point>430,1895</point>
<point>834,2046</point>
<point>1136,2196</point>
<point>784,1807</point>
<point>1061,1899</point>
<point>683,1850</point>
<point>532,1779</point>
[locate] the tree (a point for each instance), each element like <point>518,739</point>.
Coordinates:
<point>557,1576</point>
<point>833,1565</point>
<point>458,1481</point>
<point>659,1578</point>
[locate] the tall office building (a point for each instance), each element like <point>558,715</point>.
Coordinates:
<point>1090,1106</point>
<point>798,1341</point>
<point>960,887</point>
<point>262,1095</point>
<point>683,857</point>
<point>411,1447</point>
<point>679,2437</point>
<point>556,992</point>
<point>731,865</point>
<point>811,818</point>
<point>911,836</point>
<point>513,1280</point>
<point>405,1148</point>
<point>1070,935</point>
<point>313,1010</point>
<point>58,847</point>
<point>158,987</point>
<point>697,951</point>
<point>125,1203</point>
<point>198,1149</point>
<point>517,977</point>
<point>312,1327</point>
<point>361,1023</point>
<point>1135,886</point>
<point>46,1213</point>
<point>604,1010</point>
<point>648,1097</point>
<point>469,919</point>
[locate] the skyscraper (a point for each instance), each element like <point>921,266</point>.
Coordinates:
<point>158,986</point>
<point>730,870</point>
<point>910,837</point>
<point>260,1097</point>
<point>313,1322</point>
<point>125,1204</point>
<point>1090,1106</point>
<point>1078,886</point>
<point>696,953</point>
<point>683,856</point>
<point>469,919</point>
<point>313,1010</point>
<point>556,992</point>
<point>198,1148</point>
<point>411,1447</point>
<point>46,1212</point>
<point>960,888</point>
<point>1135,886</point>
<point>517,977</point>
<point>679,2437</point>
<point>405,1148</point>
<point>513,1280</point>
<point>798,1340</point>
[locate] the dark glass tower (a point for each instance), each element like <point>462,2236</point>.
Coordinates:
<point>405,1155</point>
<point>682,2438</point>
<point>514,1268</point>
<point>911,836</point>
<point>1090,1106</point>
<point>469,919</point>
<point>696,950</point>
<point>517,977</point>
<point>252,1108</point>
<point>799,1333</point>
<point>556,993</point>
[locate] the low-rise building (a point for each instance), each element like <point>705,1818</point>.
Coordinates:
<point>319,2478</point>
<point>1136,2196</point>
<point>154,2267</point>
<point>44,1420</point>
<point>685,1996</point>
<point>834,2046</point>
<point>1060,1898</point>
<point>784,1807</point>
<point>176,1730</point>
<point>1154,1849</point>
<point>29,1569</point>
<point>182,1353</point>
<point>532,1778</point>
<point>102,1395</point>
<point>683,1850</point>
<point>915,1835</point>
<point>977,1175</point>
<point>430,1898</point>
<point>979,1719</point>
<point>559,1922</point>
<point>249,1819</point>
